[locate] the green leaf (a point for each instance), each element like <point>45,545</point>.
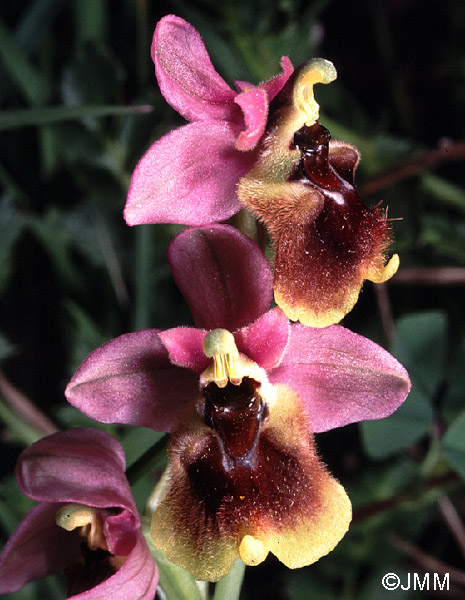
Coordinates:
<point>32,83</point>
<point>444,192</point>
<point>95,77</point>
<point>420,345</point>
<point>453,401</point>
<point>7,349</point>
<point>229,588</point>
<point>454,444</point>
<point>92,20</point>
<point>12,119</point>
<point>446,237</point>
<point>11,227</point>
<point>22,431</point>
<point>403,428</point>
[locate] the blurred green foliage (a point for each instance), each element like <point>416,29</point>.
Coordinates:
<point>80,105</point>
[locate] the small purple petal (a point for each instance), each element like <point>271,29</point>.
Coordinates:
<point>223,276</point>
<point>137,579</point>
<point>273,86</point>
<point>185,74</point>
<point>79,465</point>
<point>265,340</point>
<point>121,533</point>
<point>243,86</point>
<point>254,105</point>
<point>37,548</point>
<point>131,380</point>
<point>188,177</point>
<point>340,376</point>
<point>185,349</point>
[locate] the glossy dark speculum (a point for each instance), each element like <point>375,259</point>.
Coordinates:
<point>235,412</point>
<point>314,166</point>
<point>345,226</point>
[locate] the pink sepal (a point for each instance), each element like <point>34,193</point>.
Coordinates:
<point>131,380</point>
<point>188,177</point>
<point>185,74</point>
<point>223,275</point>
<point>341,377</point>
<point>36,549</point>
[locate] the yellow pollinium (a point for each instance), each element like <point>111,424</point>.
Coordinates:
<point>219,344</point>
<point>73,516</point>
<point>317,70</point>
<point>389,269</point>
<point>252,551</point>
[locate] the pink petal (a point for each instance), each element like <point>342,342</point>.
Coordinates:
<point>79,465</point>
<point>185,74</point>
<point>136,580</point>
<point>37,548</point>
<point>254,104</point>
<point>341,377</point>
<point>189,177</point>
<point>131,380</point>
<point>265,340</point>
<point>223,276</point>
<point>185,348</point>
<point>273,86</point>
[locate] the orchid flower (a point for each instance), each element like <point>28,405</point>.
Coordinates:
<point>327,241</point>
<point>189,176</point>
<point>274,159</point>
<point>85,525</point>
<point>242,393</point>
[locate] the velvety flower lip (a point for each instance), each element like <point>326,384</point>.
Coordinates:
<point>82,469</point>
<point>278,499</point>
<point>190,175</point>
<point>150,377</point>
<point>327,241</point>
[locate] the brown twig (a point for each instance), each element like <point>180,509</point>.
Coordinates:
<point>427,562</point>
<point>447,152</point>
<point>431,275</point>
<point>24,407</point>
<point>405,495</point>
<point>385,312</point>
<point>453,520</point>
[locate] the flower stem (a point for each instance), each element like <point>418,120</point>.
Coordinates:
<point>176,583</point>
<point>143,260</point>
<point>229,588</point>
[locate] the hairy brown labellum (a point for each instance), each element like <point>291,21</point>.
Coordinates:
<point>327,240</point>
<point>283,500</point>
<point>321,261</point>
